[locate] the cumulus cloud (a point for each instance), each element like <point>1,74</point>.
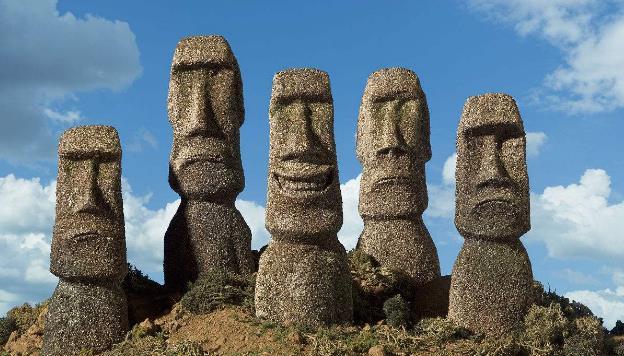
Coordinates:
<point>607,304</point>
<point>352,222</point>
<point>26,221</point>
<point>41,71</point>
<point>590,34</point>
<point>577,220</point>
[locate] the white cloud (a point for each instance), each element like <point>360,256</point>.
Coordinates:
<point>590,35</point>
<point>40,70</point>
<point>442,196</point>
<point>534,143</point>
<point>254,216</point>
<point>607,304</point>
<point>577,220</point>
<point>352,221</point>
<point>142,139</point>
<point>26,221</point>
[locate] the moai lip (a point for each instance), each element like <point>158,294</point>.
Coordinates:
<point>206,111</point>
<point>89,239</point>
<point>205,107</point>
<point>492,186</point>
<point>392,145</point>
<point>303,188</point>
<point>491,285</point>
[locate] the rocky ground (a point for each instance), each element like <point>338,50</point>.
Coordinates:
<point>216,318</point>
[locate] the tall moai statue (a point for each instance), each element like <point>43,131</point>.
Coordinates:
<point>491,284</point>
<point>303,275</point>
<point>393,147</point>
<point>88,309</point>
<point>206,111</point>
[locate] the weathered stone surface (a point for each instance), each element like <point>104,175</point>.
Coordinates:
<point>303,275</point>
<point>88,238</point>
<point>206,111</point>
<point>88,309</point>
<point>491,284</point>
<point>84,316</point>
<point>304,283</point>
<point>393,147</point>
<point>432,299</point>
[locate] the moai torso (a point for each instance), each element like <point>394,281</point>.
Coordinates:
<point>206,111</point>
<point>303,275</point>
<point>393,147</point>
<point>88,309</point>
<point>492,279</point>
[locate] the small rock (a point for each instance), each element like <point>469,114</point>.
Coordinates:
<point>377,351</point>
<point>366,327</point>
<point>295,338</point>
<point>148,327</point>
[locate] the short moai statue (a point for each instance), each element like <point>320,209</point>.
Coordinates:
<point>491,285</point>
<point>206,111</point>
<point>393,147</point>
<point>303,275</point>
<point>88,310</point>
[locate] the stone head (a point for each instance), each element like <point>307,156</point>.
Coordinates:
<point>206,111</point>
<point>303,187</point>
<point>89,238</point>
<point>393,144</point>
<point>492,184</point>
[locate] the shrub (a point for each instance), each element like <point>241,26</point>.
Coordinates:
<point>373,285</point>
<point>586,337</point>
<point>25,315</point>
<point>397,312</point>
<point>618,329</point>
<point>7,326</point>
<point>545,329</point>
<point>440,329</point>
<point>214,290</point>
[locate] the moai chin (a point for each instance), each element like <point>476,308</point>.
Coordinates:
<point>88,309</point>
<point>491,284</point>
<point>206,112</point>
<point>303,275</point>
<point>393,146</point>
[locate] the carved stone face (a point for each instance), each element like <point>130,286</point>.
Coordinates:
<point>492,191</point>
<point>206,111</point>
<point>303,188</point>
<point>393,145</point>
<point>89,238</point>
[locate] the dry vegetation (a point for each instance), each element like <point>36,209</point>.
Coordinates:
<point>216,317</point>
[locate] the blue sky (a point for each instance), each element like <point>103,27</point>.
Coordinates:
<point>67,63</point>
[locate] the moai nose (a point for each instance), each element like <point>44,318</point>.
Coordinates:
<point>89,200</point>
<point>391,142</point>
<point>201,118</point>
<point>301,137</point>
<point>492,169</point>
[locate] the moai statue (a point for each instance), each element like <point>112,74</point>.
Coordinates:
<point>206,111</point>
<point>88,309</point>
<point>491,284</point>
<point>393,147</point>
<point>303,275</point>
